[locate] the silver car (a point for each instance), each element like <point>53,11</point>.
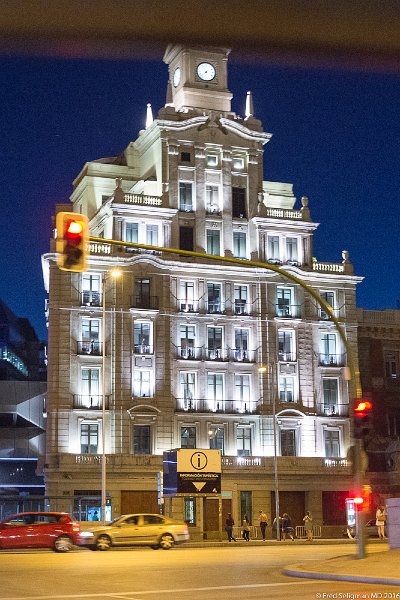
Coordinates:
<point>151,530</point>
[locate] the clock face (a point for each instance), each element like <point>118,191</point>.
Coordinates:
<point>206,72</point>
<point>177,76</point>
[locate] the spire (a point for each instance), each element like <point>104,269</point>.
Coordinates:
<point>168,99</point>
<point>149,116</point>
<point>249,105</point>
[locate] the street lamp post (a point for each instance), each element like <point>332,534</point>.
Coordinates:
<point>263,369</point>
<point>114,273</point>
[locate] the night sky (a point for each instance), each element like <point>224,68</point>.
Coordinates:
<point>335,137</point>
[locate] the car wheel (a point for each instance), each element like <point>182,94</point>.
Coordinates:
<point>155,547</point>
<point>63,544</point>
<point>103,542</point>
<point>166,541</point>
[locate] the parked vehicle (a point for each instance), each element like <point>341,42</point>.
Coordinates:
<point>40,530</point>
<point>151,530</point>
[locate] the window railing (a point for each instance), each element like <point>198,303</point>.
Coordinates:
<point>213,210</point>
<point>143,349</point>
<point>89,401</point>
<point>287,356</point>
<point>215,307</point>
<point>89,298</point>
<point>145,302</point>
<point>218,354</point>
<point>241,355</point>
<point>331,360</point>
<point>216,406</point>
<point>333,409</point>
<point>241,307</point>
<point>325,316</point>
<point>89,348</point>
<point>186,207</point>
<point>189,352</point>
<point>188,305</point>
<point>287,311</point>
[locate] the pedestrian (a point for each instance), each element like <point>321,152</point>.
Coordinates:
<point>263,523</point>
<point>287,528</point>
<point>229,523</point>
<point>246,528</point>
<point>308,525</point>
<point>95,516</point>
<point>381,521</point>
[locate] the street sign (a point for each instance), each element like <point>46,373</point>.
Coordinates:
<point>192,472</point>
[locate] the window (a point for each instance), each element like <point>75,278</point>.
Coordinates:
<point>90,333</point>
<point>89,438</point>
<point>216,437</point>
<point>241,343</point>
<point>239,203</point>
<point>91,290</point>
<point>152,235</point>
<point>284,302</point>
<point>212,160</point>
<point>288,442</point>
<point>214,343</point>
<point>187,382</point>
<point>142,337</point>
<point>186,238</point>
<point>391,365</point>
<point>328,349</point>
<point>286,345</point>
<point>187,335</point>
<point>188,437</point>
<point>141,439</point>
<point>237,163</point>
<point>212,199</point>
<point>292,254</point>
<point>90,387</point>
<point>189,510</point>
<point>330,390</point>
<point>214,294</point>
<point>132,232</point>
<point>185,157</point>
<point>273,248</point>
<point>241,294</point>
<point>329,297</point>
<point>286,389</point>
<point>214,242</point>
<point>142,293</point>
<point>243,441</point>
<point>246,505</point>
<point>185,196</point>
<point>215,390</point>
<point>142,383</point>
<point>239,244</point>
<point>187,296</point>
<point>332,443</point>
<point>242,392</point>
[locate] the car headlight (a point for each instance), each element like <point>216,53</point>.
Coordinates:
<point>87,534</point>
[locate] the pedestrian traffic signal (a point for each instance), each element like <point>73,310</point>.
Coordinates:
<point>362,412</point>
<point>71,241</point>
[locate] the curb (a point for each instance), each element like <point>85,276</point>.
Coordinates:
<point>339,577</point>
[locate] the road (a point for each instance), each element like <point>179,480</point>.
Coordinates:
<point>245,572</point>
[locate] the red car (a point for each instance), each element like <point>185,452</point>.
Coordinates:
<point>40,530</point>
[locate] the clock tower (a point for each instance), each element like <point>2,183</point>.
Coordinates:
<point>199,78</point>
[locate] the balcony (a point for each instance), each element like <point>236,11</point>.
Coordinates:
<point>330,409</point>
<point>143,349</point>
<point>241,307</point>
<point>215,307</point>
<point>217,354</point>
<point>332,360</point>
<point>89,348</point>
<point>284,213</point>
<point>289,465</point>
<point>188,305</point>
<point>212,209</point>
<point>203,405</point>
<point>186,207</point>
<point>144,302</point>
<point>287,311</point>
<point>287,356</point>
<point>324,316</point>
<point>240,355</point>
<point>189,352</point>
<point>89,298</point>
<point>89,402</point>
<point>142,200</point>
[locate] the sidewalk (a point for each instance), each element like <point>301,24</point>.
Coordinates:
<point>381,566</point>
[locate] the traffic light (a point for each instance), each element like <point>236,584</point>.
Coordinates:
<point>71,242</point>
<point>362,413</point>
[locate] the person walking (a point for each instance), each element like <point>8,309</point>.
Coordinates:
<point>263,523</point>
<point>287,528</point>
<point>308,525</point>
<point>381,521</point>
<point>229,523</point>
<point>246,529</point>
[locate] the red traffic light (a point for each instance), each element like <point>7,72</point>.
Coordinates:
<point>74,229</point>
<point>362,407</point>
<point>72,240</point>
<point>358,500</point>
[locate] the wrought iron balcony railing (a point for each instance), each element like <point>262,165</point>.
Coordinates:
<point>204,405</point>
<point>145,302</point>
<point>288,311</point>
<point>241,307</point>
<point>89,298</point>
<point>218,354</point>
<point>186,207</point>
<point>189,352</point>
<point>89,401</point>
<point>143,349</point>
<point>215,307</point>
<point>240,355</point>
<point>89,348</point>
<point>333,409</point>
<point>324,316</point>
<point>188,305</point>
<point>332,360</point>
<point>287,356</point>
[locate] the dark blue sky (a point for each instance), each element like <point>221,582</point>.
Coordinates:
<point>336,137</point>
